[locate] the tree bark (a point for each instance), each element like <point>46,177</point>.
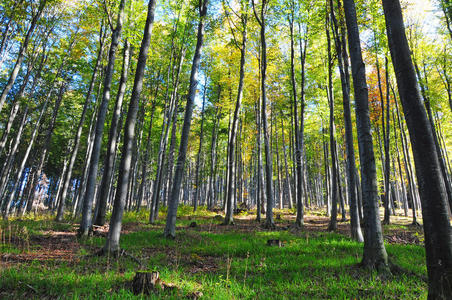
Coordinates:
<point>233,133</point>
<point>78,134</point>
<point>173,201</point>
<point>112,242</point>
<point>21,54</point>
<point>115,127</point>
<point>374,254</point>
<point>85,224</point>
<point>437,229</point>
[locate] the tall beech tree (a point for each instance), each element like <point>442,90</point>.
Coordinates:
<point>374,254</point>
<point>21,54</point>
<point>112,140</point>
<point>269,222</point>
<point>437,229</point>
<point>88,199</point>
<point>233,131</point>
<point>173,201</point>
<point>112,241</point>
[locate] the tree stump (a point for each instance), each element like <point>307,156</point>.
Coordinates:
<point>277,243</point>
<point>146,282</point>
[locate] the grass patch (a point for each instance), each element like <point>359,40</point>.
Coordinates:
<point>221,264</point>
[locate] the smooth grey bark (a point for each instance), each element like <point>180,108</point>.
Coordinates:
<point>88,199</point>
<point>8,200</point>
<point>21,53</point>
<point>112,140</point>
<point>407,163</point>
<point>17,99</point>
<point>78,135</point>
<point>374,254</point>
<point>171,151</point>
<point>10,158</point>
<point>51,127</point>
<point>298,145</point>
<point>384,158</point>
<point>15,108</point>
<point>145,162</point>
<point>269,222</point>
<point>198,156</point>
<point>112,241</point>
<point>233,130</point>
<point>423,84</point>
<point>437,229</point>
<point>89,146</point>
<point>342,55</point>
<point>332,226</point>
<point>386,137</point>
<point>286,168</point>
<point>173,201</point>
<point>169,119</point>
<point>55,111</point>
<point>213,156</point>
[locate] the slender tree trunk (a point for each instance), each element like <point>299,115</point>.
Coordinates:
<point>213,150</point>
<point>424,91</point>
<point>21,54</point>
<point>78,134</point>
<point>374,254</point>
<point>334,172</point>
<point>269,222</point>
<point>198,156</point>
<point>170,228</point>
<point>342,55</point>
<point>112,242</point>
<point>8,201</point>
<point>112,140</point>
<point>233,133</point>
<point>298,148</point>
<point>85,225</point>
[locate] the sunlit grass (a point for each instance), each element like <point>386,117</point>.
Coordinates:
<point>240,265</point>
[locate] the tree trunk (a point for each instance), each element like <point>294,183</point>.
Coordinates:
<point>374,254</point>
<point>342,55</point>
<point>269,222</point>
<point>332,226</point>
<point>115,127</point>
<point>112,241</point>
<point>78,134</point>
<point>198,156</point>
<point>170,228</point>
<point>437,229</point>
<point>85,225</point>
<point>298,147</point>
<point>233,133</point>
<point>21,54</point>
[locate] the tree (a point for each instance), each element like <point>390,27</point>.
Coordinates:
<point>112,242</point>
<point>173,201</point>
<point>269,222</point>
<point>85,224</point>
<point>233,131</point>
<point>374,254</point>
<point>437,229</point>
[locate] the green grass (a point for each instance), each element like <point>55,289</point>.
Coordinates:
<point>230,265</point>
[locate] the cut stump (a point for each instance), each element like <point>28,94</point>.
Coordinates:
<point>146,282</point>
<point>277,243</point>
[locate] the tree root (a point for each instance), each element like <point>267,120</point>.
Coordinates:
<point>269,225</point>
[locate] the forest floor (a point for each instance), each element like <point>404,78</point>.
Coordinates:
<point>40,258</point>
